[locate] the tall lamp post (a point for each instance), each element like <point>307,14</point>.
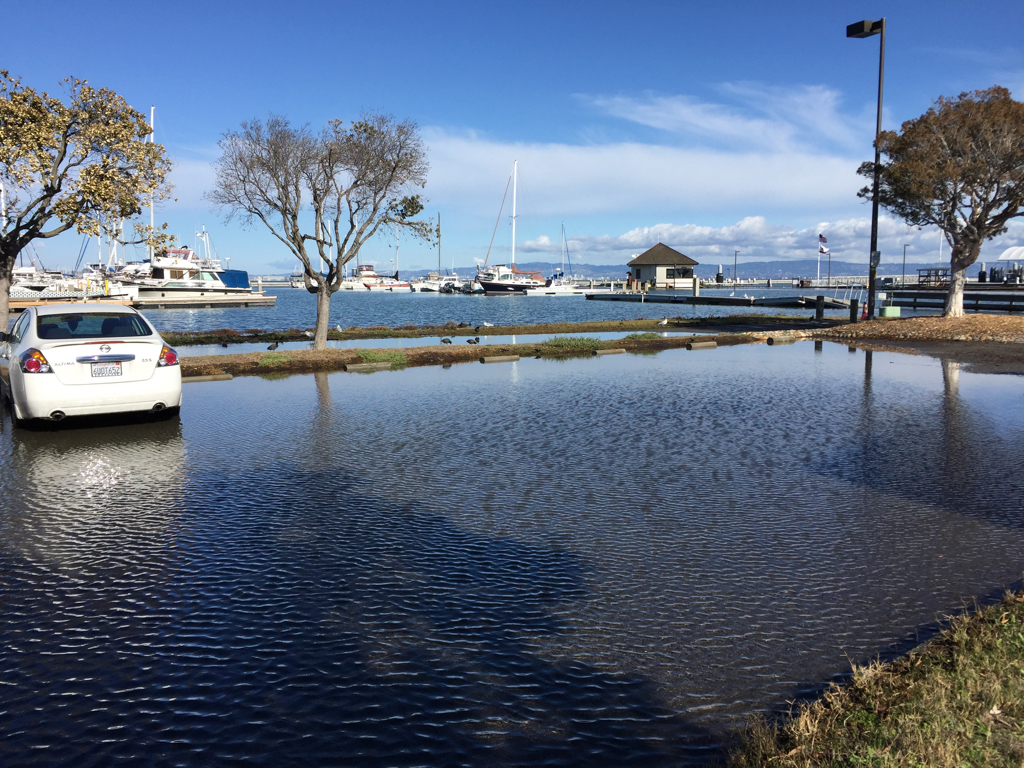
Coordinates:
<point>903,280</point>
<point>734,255</point>
<point>868,28</point>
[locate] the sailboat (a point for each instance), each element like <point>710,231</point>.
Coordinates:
<point>559,284</point>
<point>507,279</point>
<point>435,281</point>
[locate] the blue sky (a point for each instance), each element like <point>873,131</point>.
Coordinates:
<point>707,126</point>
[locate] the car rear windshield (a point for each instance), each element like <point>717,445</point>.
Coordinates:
<point>91,325</point>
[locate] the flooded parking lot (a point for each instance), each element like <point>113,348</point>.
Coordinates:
<point>586,561</point>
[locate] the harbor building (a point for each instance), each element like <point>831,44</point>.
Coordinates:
<point>661,267</point>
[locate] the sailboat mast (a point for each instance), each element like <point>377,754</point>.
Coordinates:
<point>152,219</point>
<point>515,179</point>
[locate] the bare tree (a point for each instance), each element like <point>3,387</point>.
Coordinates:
<point>960,167</point>
<point>333,189</point>
<point>84,165</point>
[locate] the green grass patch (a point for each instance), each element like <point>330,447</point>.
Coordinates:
<point>576,343</point>
<point>642,336</point>
<point>396,357</point>
<point>274,359</point>
<point>955,701</point>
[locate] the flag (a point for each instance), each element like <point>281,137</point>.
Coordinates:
<point>822,239</point>
<point>822,249</point>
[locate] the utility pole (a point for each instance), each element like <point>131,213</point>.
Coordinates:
<point>734,272</point>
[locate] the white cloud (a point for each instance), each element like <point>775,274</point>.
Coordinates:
<point>758,240</point>
<point>562,180</point>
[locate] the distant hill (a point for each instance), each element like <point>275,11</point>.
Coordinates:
<point>774,270</point>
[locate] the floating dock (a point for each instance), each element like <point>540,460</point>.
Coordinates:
<point>206,302</point>
<point>22,300</point>
<point>800,302</point>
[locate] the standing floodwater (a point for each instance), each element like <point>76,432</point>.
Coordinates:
<point>605,561</point>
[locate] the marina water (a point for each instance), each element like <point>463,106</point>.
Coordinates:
<point>297,309</point>
<point>609,561</point>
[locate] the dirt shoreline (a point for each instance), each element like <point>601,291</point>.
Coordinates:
<point>984,343</point>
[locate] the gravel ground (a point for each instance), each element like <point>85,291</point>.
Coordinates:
<point>1001,328</point>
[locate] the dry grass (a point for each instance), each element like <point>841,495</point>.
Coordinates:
<point>956,701</point>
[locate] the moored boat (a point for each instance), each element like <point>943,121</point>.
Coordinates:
<point>504,279</point>
<point>179,273</point>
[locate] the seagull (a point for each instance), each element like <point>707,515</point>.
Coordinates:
<point>488,325</point>
<point>310,334</point>
<point>446,341</point>
<point>273,346</point>
<point>663,322</point>
<point>339,329</point>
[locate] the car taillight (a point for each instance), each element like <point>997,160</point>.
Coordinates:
<point>32,361</point>
<point>168,356</point>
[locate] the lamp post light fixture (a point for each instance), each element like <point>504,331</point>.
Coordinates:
<point>868,28</point>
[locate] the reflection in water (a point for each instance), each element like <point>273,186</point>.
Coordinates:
<point>78,494</point>
<point>602,561</point>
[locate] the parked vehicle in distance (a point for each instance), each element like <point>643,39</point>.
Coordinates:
<point>81,359</point>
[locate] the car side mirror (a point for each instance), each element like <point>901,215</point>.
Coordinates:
<point>3,337</point>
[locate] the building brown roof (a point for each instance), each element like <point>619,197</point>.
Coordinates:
<point>662,254</point>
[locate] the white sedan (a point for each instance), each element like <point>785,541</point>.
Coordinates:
<point>81,359</point>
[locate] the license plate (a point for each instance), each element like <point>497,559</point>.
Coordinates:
<point>106,369</point>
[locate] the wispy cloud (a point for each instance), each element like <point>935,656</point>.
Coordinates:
<point>751,117</point>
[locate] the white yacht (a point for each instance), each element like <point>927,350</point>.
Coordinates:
<point>180,273</point>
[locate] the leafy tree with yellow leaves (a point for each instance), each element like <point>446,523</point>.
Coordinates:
<point>84,164</point>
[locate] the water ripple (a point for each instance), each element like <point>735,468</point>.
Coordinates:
<point>588,562</point>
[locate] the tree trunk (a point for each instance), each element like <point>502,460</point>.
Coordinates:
<point>963,255</point>
<point>955,297</point>
<point>5,299</point>
<point>323,315</point>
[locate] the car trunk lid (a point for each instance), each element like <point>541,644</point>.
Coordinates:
<point>97,362</point>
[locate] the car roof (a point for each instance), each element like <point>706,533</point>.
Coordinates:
<point>95,308</point>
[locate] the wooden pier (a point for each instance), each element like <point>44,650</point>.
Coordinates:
<point>988,300</point>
